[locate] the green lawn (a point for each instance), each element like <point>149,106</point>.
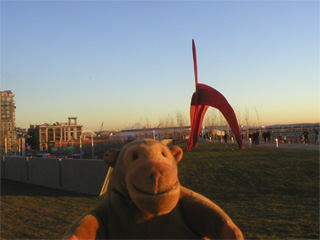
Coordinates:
<point>270,193</point>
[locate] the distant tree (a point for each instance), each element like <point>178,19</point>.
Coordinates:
<point>147,123</point>
<point>211,118</point>
<point>180,119</point>
<point>169,121</point>
<point>247,119</point>
<point>238,115</point>
<point>257,115</point>
<point>222,120</point>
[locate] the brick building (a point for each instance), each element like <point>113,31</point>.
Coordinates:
<point>43,137</point>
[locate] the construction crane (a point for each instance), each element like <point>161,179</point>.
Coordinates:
<point>101,127</point>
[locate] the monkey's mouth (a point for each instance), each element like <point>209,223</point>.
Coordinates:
<point>155,194</point>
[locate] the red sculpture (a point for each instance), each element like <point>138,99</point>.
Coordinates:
<point>202,99</point>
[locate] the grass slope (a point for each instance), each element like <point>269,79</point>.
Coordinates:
<point>269,193</point>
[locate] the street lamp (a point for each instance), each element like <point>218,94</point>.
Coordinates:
<point>5,146</point>
<point>60,145</point>
<point>80,146</point>
<point>92,145</point>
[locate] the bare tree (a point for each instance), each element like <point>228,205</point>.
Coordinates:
<point>147,124</point>
<point>180,118</point>
<point>171,120</point>
<point>160,123</point>
<point>211,118</point>
<point>223,121</point>
<point>257,115</point>
<point>247,119</point>
<point>168,121</point>
<point>238,115</point>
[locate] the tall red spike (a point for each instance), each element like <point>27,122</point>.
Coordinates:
<point>195,63</point>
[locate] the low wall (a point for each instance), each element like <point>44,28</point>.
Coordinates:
<point>76,175</point>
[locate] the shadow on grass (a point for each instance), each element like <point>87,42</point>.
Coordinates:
<point>12,188</point>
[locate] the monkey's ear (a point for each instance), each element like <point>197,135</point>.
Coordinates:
<point>177,153</point>
<point>110,157</point>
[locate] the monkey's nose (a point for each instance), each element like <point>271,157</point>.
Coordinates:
<point>156,175</point>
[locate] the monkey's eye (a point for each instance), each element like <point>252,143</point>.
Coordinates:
<point>135,156</point>
<point>164,154</point>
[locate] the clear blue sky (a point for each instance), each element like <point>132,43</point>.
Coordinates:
<point>123,62</point>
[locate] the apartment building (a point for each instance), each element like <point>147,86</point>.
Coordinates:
<point>8,134</point>
<point>43,137</point>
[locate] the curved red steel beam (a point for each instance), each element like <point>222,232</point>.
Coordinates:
<point>203,98</point>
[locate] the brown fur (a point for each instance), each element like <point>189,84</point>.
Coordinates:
<point>145,200</point>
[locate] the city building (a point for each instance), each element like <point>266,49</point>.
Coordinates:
<point>43,137</point>
<point>8,134</point>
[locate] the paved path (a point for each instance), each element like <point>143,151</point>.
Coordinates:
<point>311,147</point>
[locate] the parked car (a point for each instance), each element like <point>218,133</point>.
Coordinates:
<point>76,155</point>
<point>44,155</point>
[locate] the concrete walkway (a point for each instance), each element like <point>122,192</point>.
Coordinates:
<point>310,147</point>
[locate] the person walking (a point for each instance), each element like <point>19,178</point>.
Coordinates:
<point>316,136</point>
<point>306,136</point>
<point>226,138</point>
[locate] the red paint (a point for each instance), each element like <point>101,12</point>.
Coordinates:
<point>203,98</point>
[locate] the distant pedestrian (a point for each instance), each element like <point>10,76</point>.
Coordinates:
<point>256,138</point>
<point>226,138</point>
<point>285,138</point>
<point>250,138</point>
<point>264,136</point>
<point>316,134</point>
<point>306,136</point>
<point>269,136</point>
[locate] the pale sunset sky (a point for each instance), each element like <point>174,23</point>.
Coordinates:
<point>123,62</point>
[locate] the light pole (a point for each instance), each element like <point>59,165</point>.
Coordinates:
<point>92,145</point>
<point>60,144</point>
<point>19,145</point>
<point>72,147</point>
<point>80,146</point>
<point>23,146</point>
<point>5,146</point>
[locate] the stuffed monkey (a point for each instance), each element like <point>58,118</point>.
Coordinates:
<point>145,200</point>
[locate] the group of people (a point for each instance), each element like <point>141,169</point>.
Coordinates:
<point>305,136</point>
<point>266,136</point>
<point>282,139</point>
<point>254,137</point>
